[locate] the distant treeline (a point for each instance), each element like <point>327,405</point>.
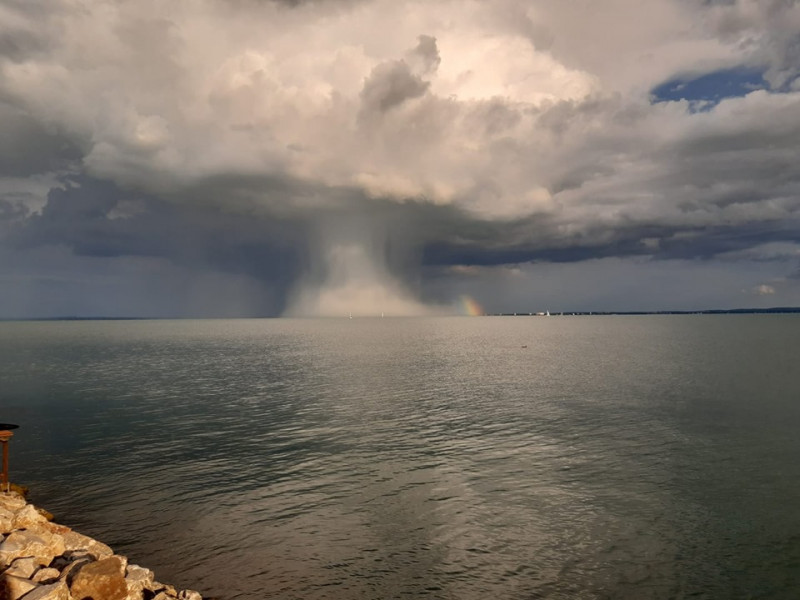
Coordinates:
<point>712,311</point>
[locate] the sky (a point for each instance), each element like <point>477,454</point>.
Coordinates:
<point>248,158</point>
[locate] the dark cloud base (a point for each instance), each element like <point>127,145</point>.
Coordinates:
<point>271,245</point>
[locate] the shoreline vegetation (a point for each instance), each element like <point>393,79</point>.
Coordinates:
<point>42,560</point>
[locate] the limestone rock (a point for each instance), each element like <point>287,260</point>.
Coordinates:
<point>41,560</point>
<point>69,570</point>
<point>54,528</point>
<point>69,557</point>
<point>167,589</point>
<point>53,591</point>
<point>19,490</point>
<point>137,579</point>
<point>13,587</point>
<point>11,501</point>
<point>6,519</point>
<point>23,567</point>
<point>28,517</point>
<point>42,545</point>
<point>46,575</point>
<point>76,541</point>
<point>48,516</point>
<point>101,579</point>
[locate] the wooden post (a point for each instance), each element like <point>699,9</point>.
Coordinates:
<point>4,437</point>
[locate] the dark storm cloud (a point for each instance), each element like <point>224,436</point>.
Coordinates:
<point>16,45</point>
<point>30,147</point>
<point>389,85</point>
<point>779,50</point>
<point>12,211</point>
<point>655,240</point>
<point>97,219</point>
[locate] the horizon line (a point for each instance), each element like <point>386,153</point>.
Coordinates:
<point>556,313</point>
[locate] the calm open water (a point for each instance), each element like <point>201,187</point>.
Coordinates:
<point>459,458</point>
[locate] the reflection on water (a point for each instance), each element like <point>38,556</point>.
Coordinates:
<point>600,457</point>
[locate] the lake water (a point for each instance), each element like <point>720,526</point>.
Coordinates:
<point>459,458</point>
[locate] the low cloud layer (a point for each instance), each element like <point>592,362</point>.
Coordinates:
<point>364,155</point>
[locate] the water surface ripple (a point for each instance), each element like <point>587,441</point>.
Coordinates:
<point>459,458</point>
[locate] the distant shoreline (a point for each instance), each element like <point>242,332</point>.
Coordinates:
<point>588,313</point>
<point>712,311</point>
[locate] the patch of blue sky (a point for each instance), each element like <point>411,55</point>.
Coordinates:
<point>706,91</point>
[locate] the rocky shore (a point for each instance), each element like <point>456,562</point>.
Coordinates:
<point>42,560</point>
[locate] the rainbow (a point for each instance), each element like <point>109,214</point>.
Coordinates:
<point>470,307</point>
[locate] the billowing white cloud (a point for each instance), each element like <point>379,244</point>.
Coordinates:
<point>188,89</point>
<point>434,100</point>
